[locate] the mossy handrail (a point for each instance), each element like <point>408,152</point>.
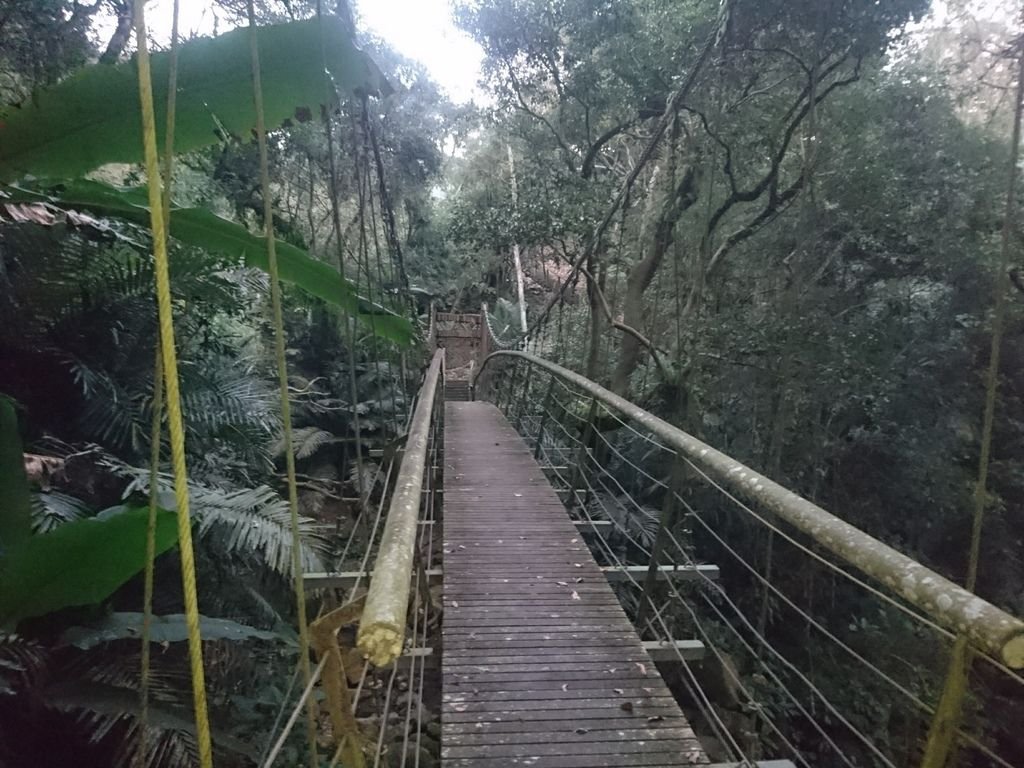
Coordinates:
<point>382,626</point>
<point>986,626</point>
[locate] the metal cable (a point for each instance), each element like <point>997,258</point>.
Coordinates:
<point>884,676</point>
<point>682,600</point>
<point>693,687</point>
<point>705,635</point>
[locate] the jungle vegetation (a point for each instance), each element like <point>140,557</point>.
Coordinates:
<point>801,275</point>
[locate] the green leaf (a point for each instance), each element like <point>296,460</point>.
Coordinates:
<point>162,629</point>
<point>92,118</point>
<point>15,506</point>
<point>80,563</point>
<point>200,228</point>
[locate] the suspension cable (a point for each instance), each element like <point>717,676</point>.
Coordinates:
<point>966,737</point>
<point>170,366</point>
<point>282,378</point>
<point>685,604</point>
<point>156,422</point>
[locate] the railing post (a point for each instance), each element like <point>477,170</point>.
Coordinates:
<point>545,409</point>
<point>523,398</point>
<point>666,524</point>
<point>581,457</point>
<point>511,389</point>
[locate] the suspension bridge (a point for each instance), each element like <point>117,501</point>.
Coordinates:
<point>575,625</point>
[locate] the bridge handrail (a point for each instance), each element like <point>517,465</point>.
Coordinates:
<point>382,626</point>
<point>986,626</point>
<point>499,343</point>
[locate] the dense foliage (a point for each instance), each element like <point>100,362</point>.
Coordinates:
<point>800,274</point>
<point>77,362</point>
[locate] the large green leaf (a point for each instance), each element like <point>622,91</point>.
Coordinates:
<point>80,563</point>
<point>203,229</point>
<point>92,118</point>
<point>162,629</point>
<point>15,503</point>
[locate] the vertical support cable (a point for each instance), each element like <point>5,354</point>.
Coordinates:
<point>336,226</point>
<point>524,398</point>
<point>943,731</point>
<point>282,378</point>
<point>511,389</point>
<point>170,366</point>
<point>157,414</point>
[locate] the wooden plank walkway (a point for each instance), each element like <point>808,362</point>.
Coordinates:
<point>540,665</point>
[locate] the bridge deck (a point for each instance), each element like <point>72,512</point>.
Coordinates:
<point>541,666</point>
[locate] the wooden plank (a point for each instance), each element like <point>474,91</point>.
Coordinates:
<point>530,712</point>
<point>579,747</point>
<point>629,732</point>
<point>665,572</point>
<point>602,730</point>
<point>541,665</point>
<point>348,579</point>
<point>646,760</point>
<point>664,652</point>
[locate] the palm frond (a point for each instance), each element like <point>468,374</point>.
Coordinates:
<point>53,508</point>
<point>22,662</point>
<point>256,522</point>
<point>305,442</point>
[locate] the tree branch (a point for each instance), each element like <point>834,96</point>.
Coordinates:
<point>591,157</point>
<point>671,108</point>
<point>770,179</point>
<point>607,312</point>
<point>122,32</point>
<point>517,89</point>
<point>776,204</point>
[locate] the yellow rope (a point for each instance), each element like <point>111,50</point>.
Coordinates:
<point>170,366</point>
<point>945,726</point>
<point>157,419</point>
<point>282,376</point>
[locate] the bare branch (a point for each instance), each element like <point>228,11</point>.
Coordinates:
<point>517,88</point>
<point>776,204</point>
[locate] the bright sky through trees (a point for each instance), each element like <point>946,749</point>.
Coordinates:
<point>419,29</point>
<point>424,30</point>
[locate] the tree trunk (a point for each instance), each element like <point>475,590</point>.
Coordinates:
<point>640,276</point>
<point>597,321</point>
<point>122,32</point>
<point>515,246</point>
